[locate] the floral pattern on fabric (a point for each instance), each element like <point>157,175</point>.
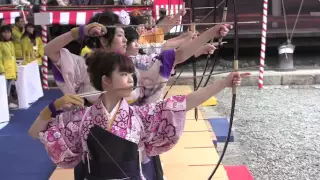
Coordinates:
<point>163,123</point>
<point>156,127</point>
<point>62,139</point>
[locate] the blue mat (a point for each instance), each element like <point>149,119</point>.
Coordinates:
<point>220,127</point>
<point>22,157</point>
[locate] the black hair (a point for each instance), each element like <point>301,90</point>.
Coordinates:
<point>101,63</point>
<point>105,18</point>
<point>137,20</point>
<point>131,34</point>
<point>31,36</point>
<point>36,8</point>
<point>17,19</point>
<point>5,28</point>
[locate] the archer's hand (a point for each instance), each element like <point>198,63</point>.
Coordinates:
<point>95,30</point>
<point>91,30</point>
<point>221,30</point>
<point>208,49</point>
<point>68,101</point>
<point>235,78</point>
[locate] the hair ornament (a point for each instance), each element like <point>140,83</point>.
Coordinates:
<point>124,17</point>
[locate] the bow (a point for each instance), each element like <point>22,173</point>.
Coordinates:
<point>234,88</point>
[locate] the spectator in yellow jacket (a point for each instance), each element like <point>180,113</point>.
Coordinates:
<point>8,59</point>
<point>17,31</point>
<point>85,51</point>
<point>31,45</point>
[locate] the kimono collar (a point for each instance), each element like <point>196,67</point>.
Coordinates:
<point>122,105</point>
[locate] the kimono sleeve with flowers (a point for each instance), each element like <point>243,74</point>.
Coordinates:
<point>62,139</point>
<point>163,123</point>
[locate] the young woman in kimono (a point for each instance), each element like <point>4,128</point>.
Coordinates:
<point>70,70</point>
<point>152,170</point>
<point>108,135</point>
<point>152,91</point>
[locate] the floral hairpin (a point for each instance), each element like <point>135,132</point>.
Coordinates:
<point>124,17</point>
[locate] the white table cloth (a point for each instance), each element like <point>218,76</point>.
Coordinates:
<point>28,84</point>
<point>4,109</point>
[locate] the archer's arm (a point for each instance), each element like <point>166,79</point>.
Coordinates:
<point>188,50</point>
<point>168,22</point>
<point>178,41</point>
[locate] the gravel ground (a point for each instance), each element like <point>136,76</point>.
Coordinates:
<point>276,132</point>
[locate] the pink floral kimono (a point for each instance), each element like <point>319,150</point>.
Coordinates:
<point>71,75</point>
<point>108,142</point>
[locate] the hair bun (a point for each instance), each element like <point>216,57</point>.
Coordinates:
<point>92,61</point>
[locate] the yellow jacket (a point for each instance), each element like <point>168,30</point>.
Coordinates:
<point>16,36</point>
<point>1,64</point>
<point>8,60</point>
<point>85,51</point>
<point>31,53</point>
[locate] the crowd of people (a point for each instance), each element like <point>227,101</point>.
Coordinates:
<point>20,43</point>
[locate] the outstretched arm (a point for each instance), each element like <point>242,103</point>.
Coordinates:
<point>207,49</point>
<point>195,98</point>
<point>178,41</point>
<point>168,22</point>
<point>187,50</point>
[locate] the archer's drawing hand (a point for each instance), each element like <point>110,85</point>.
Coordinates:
<point>208,49</point>
<point>205,49</point>
<point>69,101</point>
<point>95,30</point>
<point>235,78</point>
<point>221,30</point>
